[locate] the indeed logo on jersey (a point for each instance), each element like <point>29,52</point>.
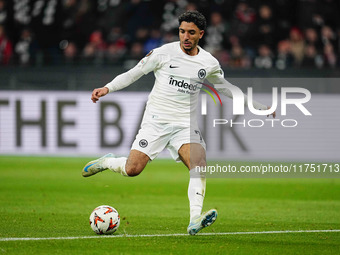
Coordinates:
<point>182,84</point>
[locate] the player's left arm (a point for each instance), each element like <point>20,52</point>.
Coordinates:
<point>230,90</point>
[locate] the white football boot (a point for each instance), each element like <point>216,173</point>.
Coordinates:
<point>95,166</point>
<point>202,221</point>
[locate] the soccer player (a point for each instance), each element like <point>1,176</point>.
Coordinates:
<point>170,116</point>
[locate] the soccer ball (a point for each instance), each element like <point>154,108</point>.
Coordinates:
<point>104,220</point>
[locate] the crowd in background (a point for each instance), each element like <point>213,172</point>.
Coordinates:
<point>240,33</point>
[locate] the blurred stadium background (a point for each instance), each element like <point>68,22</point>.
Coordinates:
<point>242,34</point>
<point>72,46</point>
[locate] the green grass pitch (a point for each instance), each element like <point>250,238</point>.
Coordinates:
<point>47,197</point>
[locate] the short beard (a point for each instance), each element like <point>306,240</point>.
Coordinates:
<point>188,49</point>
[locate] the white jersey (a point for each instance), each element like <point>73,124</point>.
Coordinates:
<point>179,78</point>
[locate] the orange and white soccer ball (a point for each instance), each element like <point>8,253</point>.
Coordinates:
<point>104,220</point>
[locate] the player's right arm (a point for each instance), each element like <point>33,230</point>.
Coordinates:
<point>99,92</point>
<point>121,81</point>
<point>146,65</point>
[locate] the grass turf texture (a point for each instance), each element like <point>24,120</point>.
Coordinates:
<point>47,197</point>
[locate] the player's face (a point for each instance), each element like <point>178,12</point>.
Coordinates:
<point>189,35</point>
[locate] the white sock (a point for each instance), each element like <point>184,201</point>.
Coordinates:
<point>116,165</point>
<point>196,192</point>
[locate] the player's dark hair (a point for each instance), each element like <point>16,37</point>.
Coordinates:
<point>195,17</point>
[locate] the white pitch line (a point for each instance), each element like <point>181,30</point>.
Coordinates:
<point>164,235</point>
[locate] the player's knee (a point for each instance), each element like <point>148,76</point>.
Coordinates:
<point>134,170</point>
